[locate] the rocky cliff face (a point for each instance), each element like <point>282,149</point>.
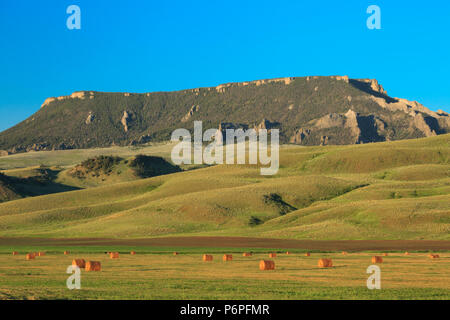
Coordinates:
<point>307,110</point>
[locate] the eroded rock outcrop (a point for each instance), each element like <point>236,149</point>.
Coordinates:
<point>221,88</point>
<point>125,120</point>
<point>422,125</point>
<point>361,129</point>
<point>267,125</point>
<point>192,111</point>
<point>90,118</point>
<point>299,136</point>
<point>76,95</point>
<point>373,85</point>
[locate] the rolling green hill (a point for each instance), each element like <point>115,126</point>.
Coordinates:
<point>388,190</point>
<point>308,111</point>
<point>92,172</point>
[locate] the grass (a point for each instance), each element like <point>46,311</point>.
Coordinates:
<point>392,190</point>
<point>154,273</point>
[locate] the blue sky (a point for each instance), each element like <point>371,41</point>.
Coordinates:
<point>143,46</point>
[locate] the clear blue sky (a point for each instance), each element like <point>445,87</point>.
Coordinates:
<point>142,46</point>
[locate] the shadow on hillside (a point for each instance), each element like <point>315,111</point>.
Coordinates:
<point>364,86</point>
<point>41,184</point>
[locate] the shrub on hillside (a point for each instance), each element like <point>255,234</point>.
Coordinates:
<point>150,166</point>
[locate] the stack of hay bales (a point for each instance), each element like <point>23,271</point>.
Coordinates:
<point>325,263</point>
<point>266,265</point>
<point>93,266</point>
<point>207,257</point>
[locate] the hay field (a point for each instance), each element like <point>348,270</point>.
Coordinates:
<point>161,275</point>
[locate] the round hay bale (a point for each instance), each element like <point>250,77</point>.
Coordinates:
<point>41,254</point>
<point>385,254</point>
<point>133,253</point>
<point>207,257</point>
<point>272,255</point>
<point>307,254</point>
<point>30,256</point>
<point>227,257</point>
<point>325,263</point>
<point>287,252</point>
<point>433,256</point>
<point>15,253</point>
<point>66,252</point>
<point>114,255</point>
<point>267,265</point>
<point>175,253</point>
<point>344,253</point>
<point>246,254</point>
<point>377,259</point>
<point>93,266</point>
<point>406,253</point>
<point>79,262</point>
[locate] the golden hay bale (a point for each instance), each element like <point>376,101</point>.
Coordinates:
<point>133,253</point>
<point>66,252</point>
<point>114,255</point>
<point>41,254</point>
<point>246,254</point>
<point>207,257</point>
<point>15,253</point>
<point>30,256</point>
<point>287,252</point>
<point>406,253</point>
<point>93,266</point>
<point>433,256</point>
<point>385,254</point>
<point>272,255</point>
<point>175,253</point>
<point>377,259</point>
<point>79,262</point>
<point>307,254</point>
<point>267,265</point>
<point>344,253</point>
<point>227,257</point>
<point>325,263</point>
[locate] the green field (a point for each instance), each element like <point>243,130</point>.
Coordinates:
<point>161,275</point>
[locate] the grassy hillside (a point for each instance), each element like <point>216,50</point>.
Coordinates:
<point>92,172</point>
<point>391,190</point>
